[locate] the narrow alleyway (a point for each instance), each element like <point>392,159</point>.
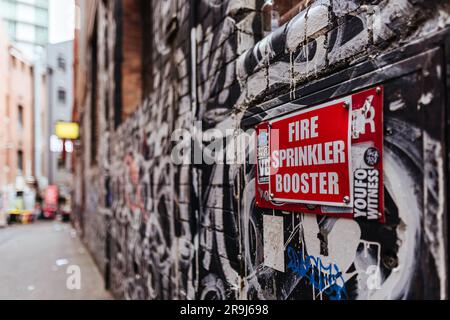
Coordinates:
<point>35,259</point>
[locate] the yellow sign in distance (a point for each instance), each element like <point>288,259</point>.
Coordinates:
<point>67,130</point>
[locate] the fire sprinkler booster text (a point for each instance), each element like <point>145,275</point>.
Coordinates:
<point>327,153</point>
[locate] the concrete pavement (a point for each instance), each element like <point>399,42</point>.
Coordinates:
<point>35,260</point>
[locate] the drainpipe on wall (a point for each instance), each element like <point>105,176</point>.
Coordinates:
<point>49,125</point>
<point>37,163</point>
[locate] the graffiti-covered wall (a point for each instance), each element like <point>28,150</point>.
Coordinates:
<point>165,224</point>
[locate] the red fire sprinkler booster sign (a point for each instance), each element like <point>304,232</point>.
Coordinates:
<point>325,160</point>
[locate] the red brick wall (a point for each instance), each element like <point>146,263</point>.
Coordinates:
<point>132,54</point>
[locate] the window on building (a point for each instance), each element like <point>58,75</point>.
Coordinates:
<point>20,160</point>
<point>61,161</point>
<point>147,49</point>
<point>133,49</point>
<point>41,35</point>
<point>62,96</point>
<point>12,29</point>
<point>62,63</point>
<point>41,15</point>
<point>20,116</point>
<point>278,12</point>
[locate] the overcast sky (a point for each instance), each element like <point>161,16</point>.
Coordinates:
<point>62,20</point>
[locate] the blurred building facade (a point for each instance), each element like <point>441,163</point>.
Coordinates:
<point>26,23</point>
<point>17,157</point>
<point>60,105</point>
<point>4,72</point>
<point>162,230</point>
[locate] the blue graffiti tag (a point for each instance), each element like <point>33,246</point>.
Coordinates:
<point>327,279</point>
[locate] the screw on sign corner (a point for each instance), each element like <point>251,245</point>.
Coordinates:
<point>346,199</point>
<point>378,90</point>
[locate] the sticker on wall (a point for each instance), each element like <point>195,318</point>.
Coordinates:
<point>325,160</point>
<point>263,157</point>
<point>273,242</point>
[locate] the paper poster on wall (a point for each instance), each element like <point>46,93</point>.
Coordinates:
<point>273,242</point>
<point>325,159</point>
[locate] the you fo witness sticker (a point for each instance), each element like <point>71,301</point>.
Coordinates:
<point>325,159</point>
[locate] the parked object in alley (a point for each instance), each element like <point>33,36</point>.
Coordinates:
<point>50,202</point>
<point>3,215</point>
<point>65,209</point>
<point>21,210</point>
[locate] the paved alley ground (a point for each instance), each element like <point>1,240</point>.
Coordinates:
<point>35,259</point>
